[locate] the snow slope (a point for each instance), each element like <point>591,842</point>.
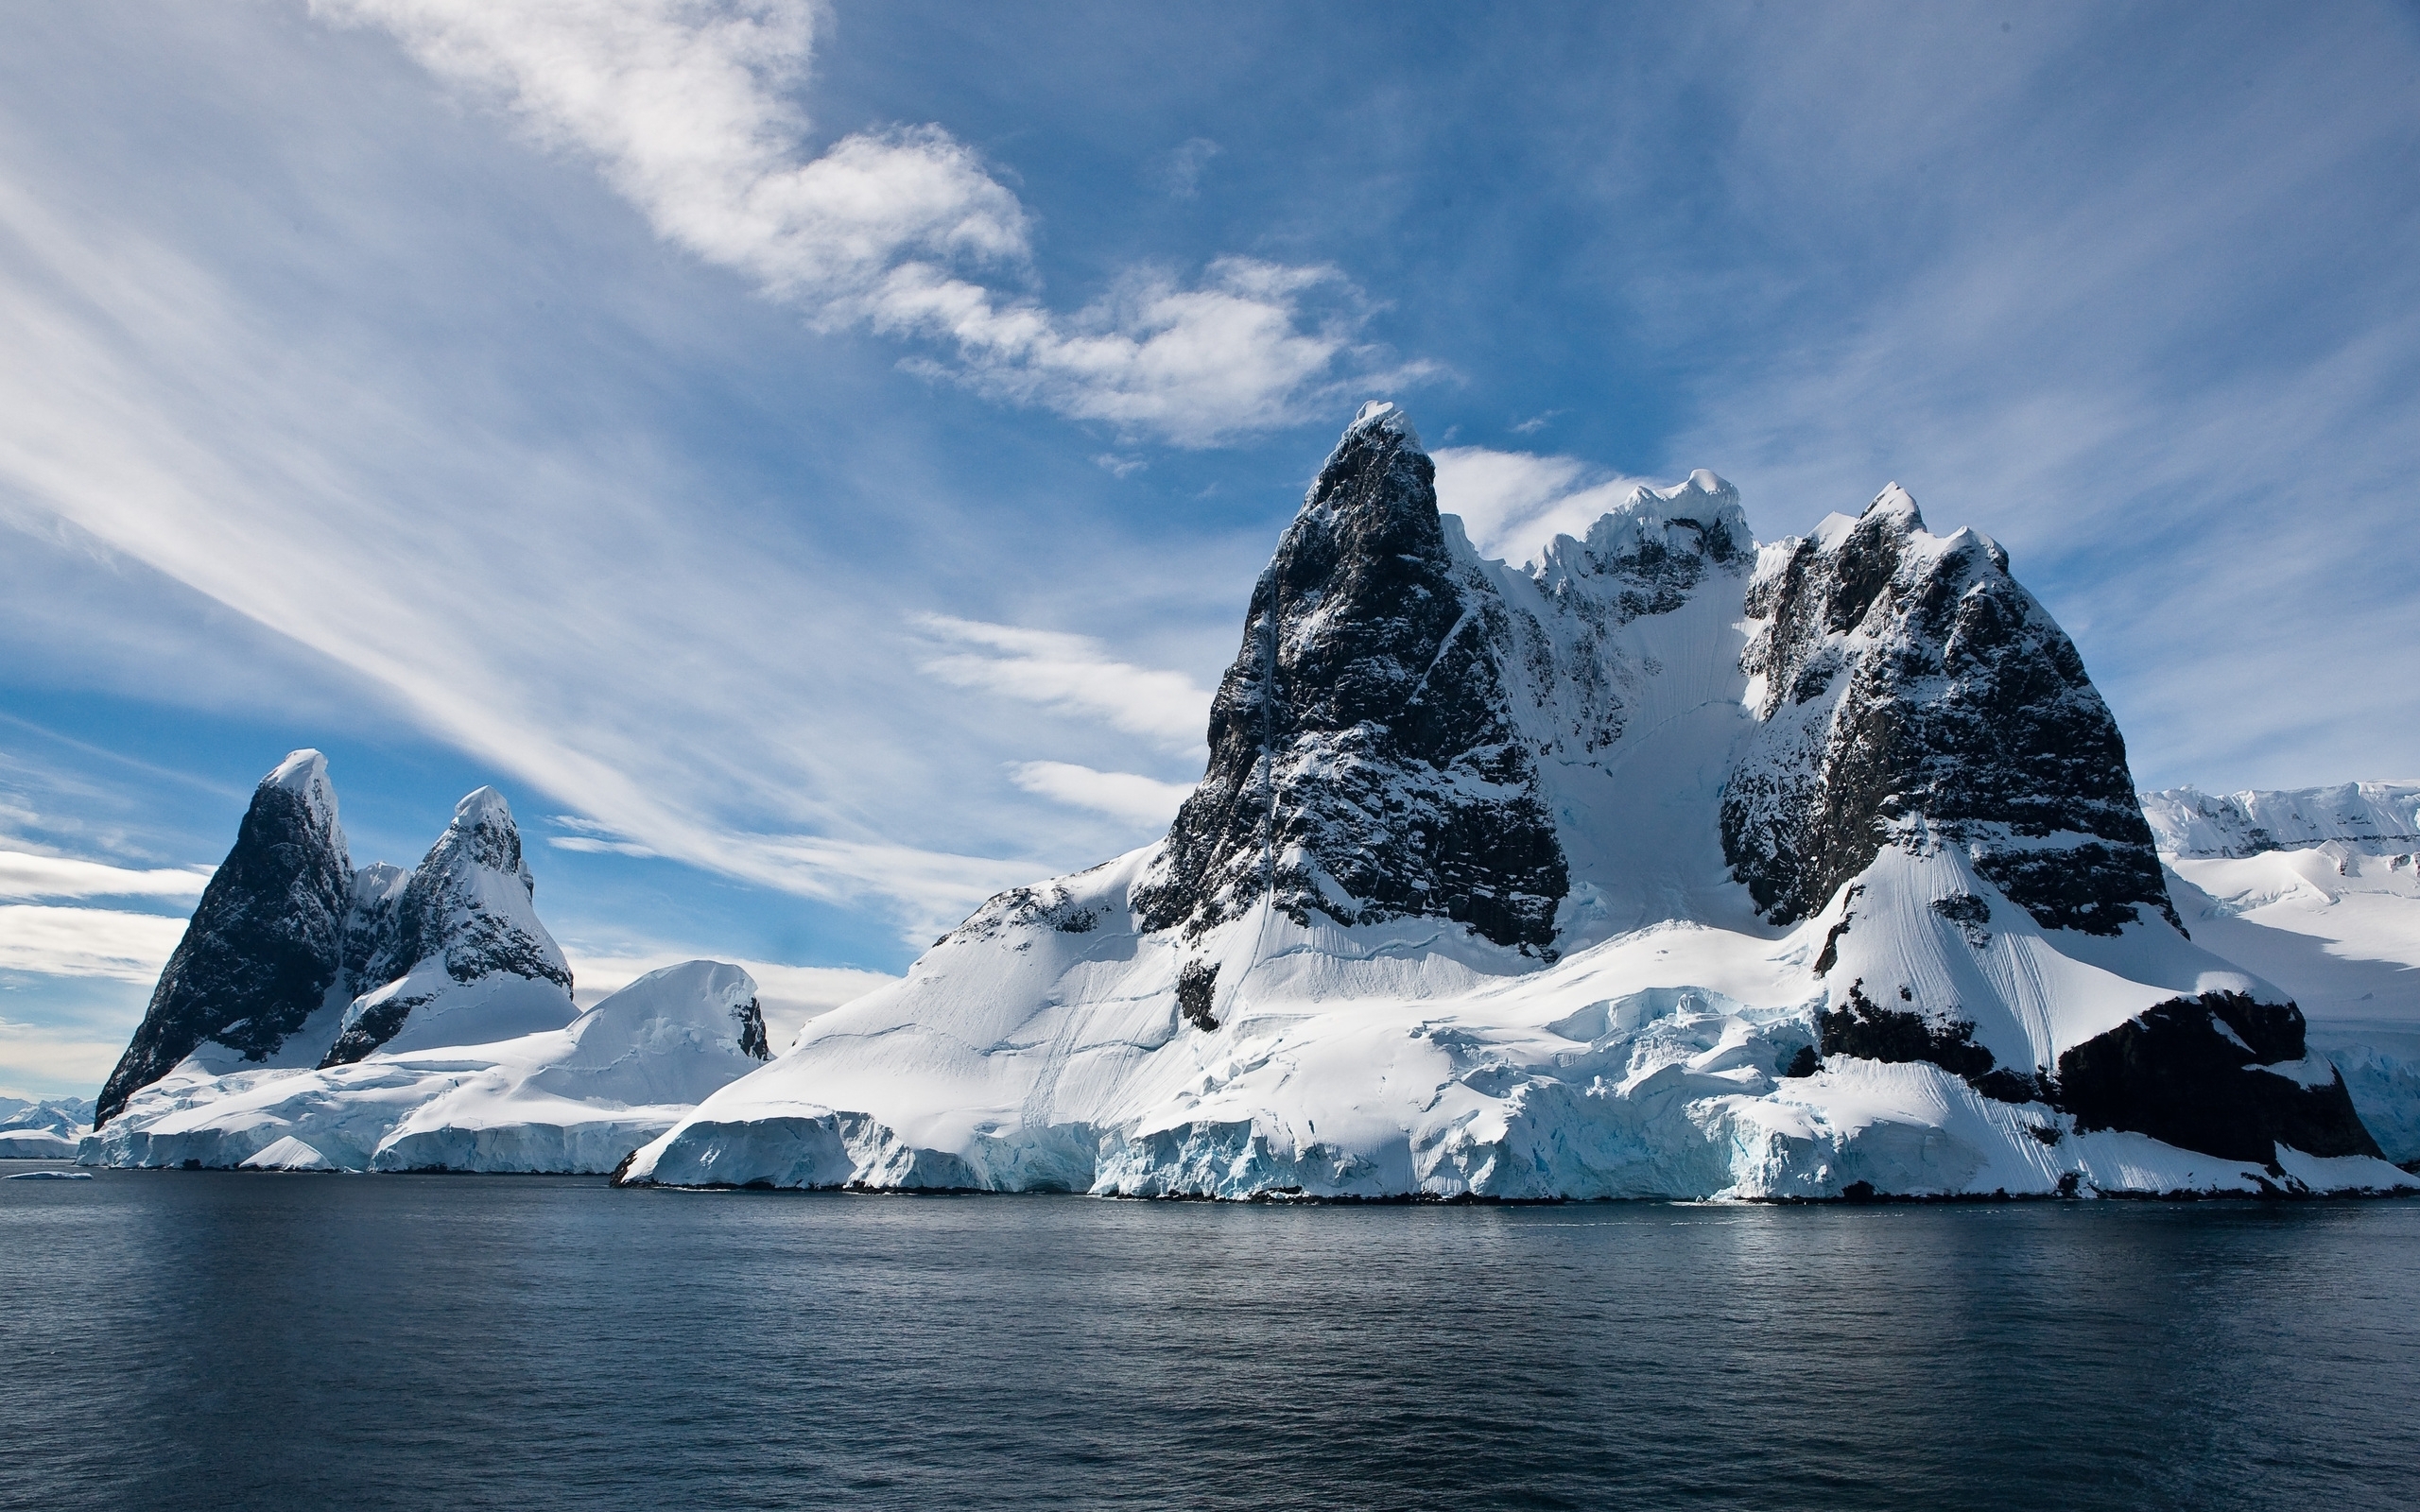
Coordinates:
<point>46,1130</point>
<point>1451,914</point>
<point>1407,1059</point>
<point>577,1098</point>
<point>2317,889</point>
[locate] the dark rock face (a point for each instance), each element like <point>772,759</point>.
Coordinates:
<point>752,1041</point>
<point>1363,760</point>
<point>1911,689</point>
<point>1863,1028</point>
<point>1195,987</point>
<point>265,944</point>
<point>2189,1072</point>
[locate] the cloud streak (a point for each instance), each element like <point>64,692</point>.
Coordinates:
<point>90,943</point>
<point>1125,795</point>
<point>24,875</point>
<point>1072,673</point>
<point>686,110</point>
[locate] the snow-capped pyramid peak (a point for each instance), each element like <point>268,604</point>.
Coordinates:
<point>264,946</point>
<point>304,774</point>
<point>1387,415</point>
<point>464,920</point>
<point>487,834</point>
<point>1898,506</point>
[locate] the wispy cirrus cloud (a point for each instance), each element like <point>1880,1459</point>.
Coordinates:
<point>1074,673</point>
<point>90,943</point>
<point>688,111</point>
<point>27,875</point>
<point>1127,795</point>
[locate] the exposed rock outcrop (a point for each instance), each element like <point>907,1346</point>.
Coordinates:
<point>465,919</point>
<point>266,942</point>
<point>1364,760</point>
<point>1911,692</point>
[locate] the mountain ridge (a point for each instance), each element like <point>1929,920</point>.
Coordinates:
<point>1455,812</point>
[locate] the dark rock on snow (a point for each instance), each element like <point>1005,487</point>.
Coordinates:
<point>265,943</point>
<point>1364,764</point>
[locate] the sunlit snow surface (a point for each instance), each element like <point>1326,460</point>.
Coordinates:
<point>1414,1060</point>
<point>2319,890</point>
<point>570,1099</point>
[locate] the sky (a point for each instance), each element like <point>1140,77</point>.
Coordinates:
<point>814,460</point>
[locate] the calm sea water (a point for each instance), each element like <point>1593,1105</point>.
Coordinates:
<point>206,1340</point>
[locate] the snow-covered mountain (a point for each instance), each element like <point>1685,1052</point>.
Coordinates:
<point>2381,818</point>
<point>48,1129</point>
<point>379,1019</point>
<point>578,1098</point>
<point>294,958</point>
<point>1667,865</point>
<point>263,954</point>
<point>2318,890</point>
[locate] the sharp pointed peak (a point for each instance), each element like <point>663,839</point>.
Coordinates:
<point>1384,414</point>
<point>481,803</point>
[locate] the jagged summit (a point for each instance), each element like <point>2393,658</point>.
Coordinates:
<point>1364,764</point>
<point>295,958</point>
<point>1383,414</point>
<point>263,950</point>
<point>1669,864</point>
<point>385,1020</point>
<point>1909,690</point>
<point>463,939</point>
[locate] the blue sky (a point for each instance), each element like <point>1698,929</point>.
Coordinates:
<point>814,460</point>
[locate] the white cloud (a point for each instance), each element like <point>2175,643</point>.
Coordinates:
<point>1120,795</point>
<point>100,942</point>
<point>1074,673</point>
<point>46,1060</point>
<point>1512,504</point>
<point>686,110</point>
<point>25,875</point>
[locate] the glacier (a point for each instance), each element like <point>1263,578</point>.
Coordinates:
<point>1670,865</point>
<point>2319,889</point>
<point>319,1017</point>
<point>573,1099</point>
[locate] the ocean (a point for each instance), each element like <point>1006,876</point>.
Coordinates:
<point>202,1340</point>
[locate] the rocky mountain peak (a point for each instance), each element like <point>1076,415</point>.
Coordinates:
<point>466,914</point>
<point>1364,764</point>
<point>1909,691</point>
<point>483,835</point>
<point>266,941</point>
<point>1650,551</point>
